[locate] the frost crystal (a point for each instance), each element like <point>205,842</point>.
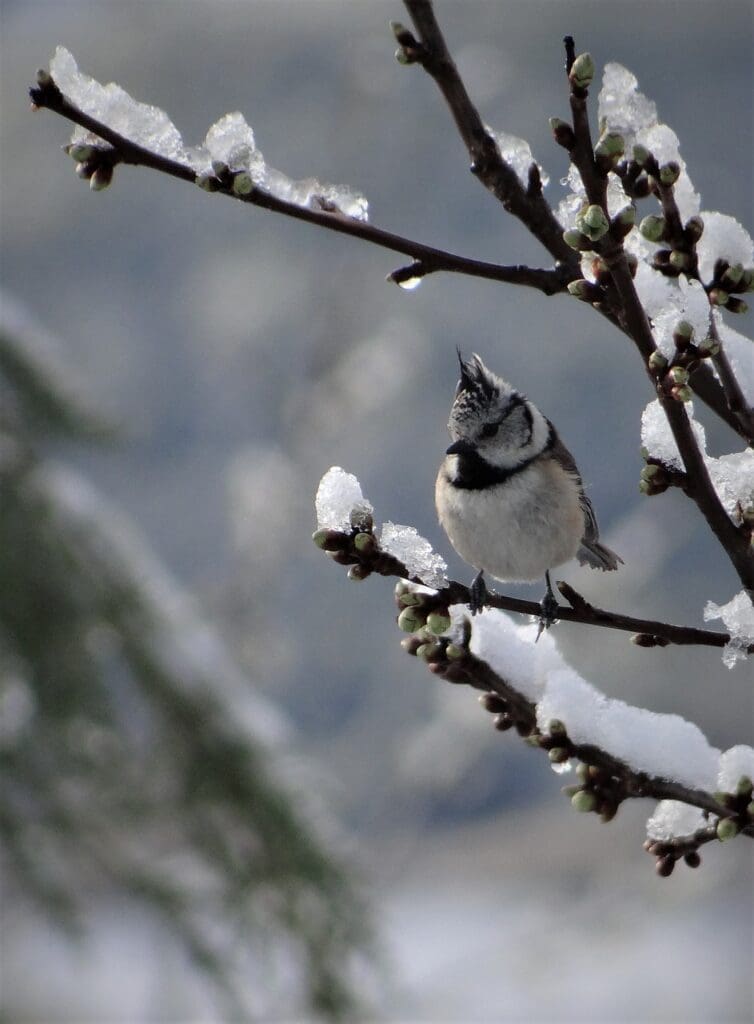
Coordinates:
<point>734,763</point>
<point>687,301</point>
<point>409,547</point>
<point>142,123</point>
<point>517,153</point>
<point>665,746</point>
<point>738,616</point>
<point>723,238</point>
<point>673,819</point>
<point>339,501</point>
<point>229,141</point>
<point>657,437</point>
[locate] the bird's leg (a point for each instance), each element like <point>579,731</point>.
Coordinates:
<point>549,610</point>
<point>478,593</point>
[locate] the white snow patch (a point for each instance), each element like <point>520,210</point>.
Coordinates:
<point>738,616</point>
<point>673,819</point>
<point>415,551</point>
<point>736,762</point>
<point>339,501</point>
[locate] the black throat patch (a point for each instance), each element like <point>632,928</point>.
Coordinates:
<point>475,474</point>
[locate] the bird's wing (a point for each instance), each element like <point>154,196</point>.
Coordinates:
<point>561,455</point>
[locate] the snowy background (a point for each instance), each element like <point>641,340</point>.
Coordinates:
<point>244,354</point>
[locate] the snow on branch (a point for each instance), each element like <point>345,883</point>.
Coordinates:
<point>623,751</point>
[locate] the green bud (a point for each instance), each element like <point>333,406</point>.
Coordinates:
<point>694,228</point>
<point>438,623</point>
<point>43,77</point>
<point>402,57</point>
<point>582,71</point>
<point>364,542</point>
<point>584,801</point>
<point>682,393</point>
<point>744,786</point>
<point>640,154</point>
<point>220,168</point>
<point>580,289</point>
<point>582,770</point>
<point>207,182</point>
<point>453,652</point>
<point>747,281</point>
<point>657,361</point>
<point>708,347</point>
<point>101,178</point>
<point>670,173</point>
<point>595,221</point>
<point>556,728</point>
<point>84,170</point>
<point>80,152</point>
<point>627,216</point>
<point>243,184</point>
<point>652,227</point>
<point>645,487</point>
<point>429,652</point>
<point>736,305</point>
<point>410,619</point>
<point>562,132</point>
<point>411,600</point>
<point>679,375</point>
<point>730,278</point>
<point>678,259</point>
<point>558,755</point>
<point>683,333</point>
<point>727,829</point>
<point>650,471</point>
<point>610,147</point>
<point>410,645</point>
<point>577,240</point>
<point>718,297</point>
<point>359,572</point>
<point>571,791</point>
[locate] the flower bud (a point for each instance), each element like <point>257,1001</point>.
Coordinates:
<point>84,169</point>
<point>640,154</point>
<point>558,755</point>
<point>207,182</point>
<point>718,297</point>
<point>429,652</point>
<point>365,543</point>
<point>744,786</point>
<point>562,133</point>
<point>670,173</point>
<point>410,645</point>
<point>359,572</point>
<point>556,728</point>
<point>453,652</point>
<point>727,829</point>
<point>683,333</point>
<point>584,800</point>
<point>584,290</point>
<point>694,229</point>
<point>80,152</point>
<point>101,177</point>
<point>594,223</point>
<point>679,259</point>
<point>609,149</point>
<point>577,240</point>
<point>665,865</point>
<point>679,375</point>
<point>625,218</point>
<point>410,619</point>
<point>220,168</point>
<point>708,347</point>
<point>730,278</point>
<point>736,305</point>
<point>650,471</point>
<point>582,71</point>
<point>657,361</point>
<point>43,77</point>
<point>682,393</point>
<point>438,622</point>
<point>652,227</point>
<point>243,185</point>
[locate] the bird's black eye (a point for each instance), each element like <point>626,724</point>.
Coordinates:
<point>490,429</point>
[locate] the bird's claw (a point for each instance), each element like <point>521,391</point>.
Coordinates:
<point>548,610</point>
<point>478,593</point>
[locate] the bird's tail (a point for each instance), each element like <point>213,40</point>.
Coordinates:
<point>597,556</point>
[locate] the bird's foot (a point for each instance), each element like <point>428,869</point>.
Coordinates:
<point>548,609</point>
<point>478,593</point>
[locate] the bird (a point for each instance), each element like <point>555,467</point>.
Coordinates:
<point>508,494</point>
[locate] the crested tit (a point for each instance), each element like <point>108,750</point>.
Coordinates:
<point>509,495</point>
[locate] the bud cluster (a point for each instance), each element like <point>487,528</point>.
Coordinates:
<point>598,791</point>
<point>427,621</point>
<point>409,49</point>
<point>727,280</point>
<point>94,164</point>
<point>667,853</point>
<point>506,716</point>
<point>358,549</point>
<point>741,805</point>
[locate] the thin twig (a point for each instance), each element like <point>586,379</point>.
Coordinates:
<point>486,162</point>
<point>428,259</point>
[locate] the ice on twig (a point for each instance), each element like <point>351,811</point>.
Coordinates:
<point>657,437</point>
<point>687,301</point>
<point>673,819</point>
<point>229,141</point>
<point>735,763</point>
<point>142,123</point>
<point>339,502</point>
<point>517,154</point>
<point>409,547</point>
<point>623,108</point>
<point>664,746</point>
<point>738,617</point>
<point>511,650</point>
<point>723,238</point>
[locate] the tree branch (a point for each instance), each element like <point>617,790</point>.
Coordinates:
<point>648,632</point>
<point>528,205</point>
<point>427,258</point>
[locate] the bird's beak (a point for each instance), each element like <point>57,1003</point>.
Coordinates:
<point>460,448</point>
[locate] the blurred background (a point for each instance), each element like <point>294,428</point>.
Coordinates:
<point>225,785</point>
